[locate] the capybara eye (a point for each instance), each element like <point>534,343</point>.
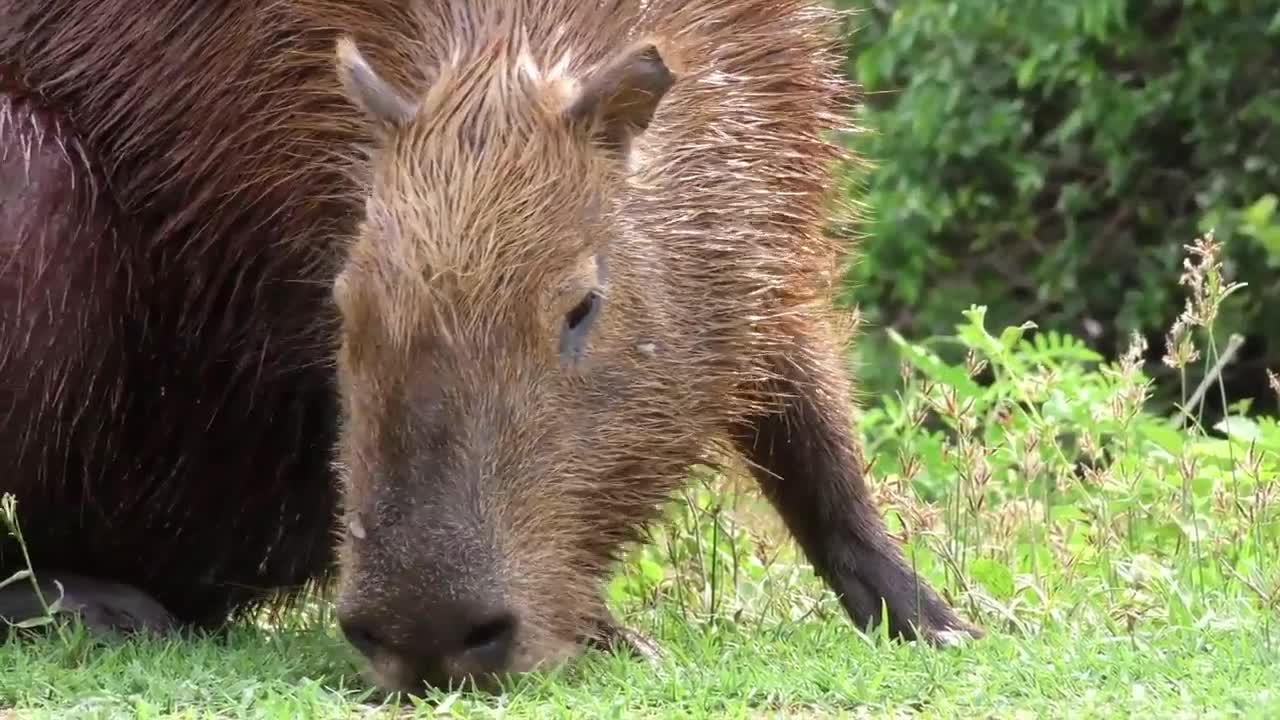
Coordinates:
<point>582,312</point>
<point>577,323</point>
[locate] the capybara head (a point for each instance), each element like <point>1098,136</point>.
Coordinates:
<point>493,403</point>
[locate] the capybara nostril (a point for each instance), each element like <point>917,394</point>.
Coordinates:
<point>489,642</point>
<point>360,634</point>
<point>434,641</point>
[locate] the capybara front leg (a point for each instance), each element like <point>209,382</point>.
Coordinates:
<point>809,466</point>
<point>102,606</point>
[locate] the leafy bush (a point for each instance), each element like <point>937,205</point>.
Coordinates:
<point>1045,158</point>
<point>1032,482</point>
<point>1053,480</point>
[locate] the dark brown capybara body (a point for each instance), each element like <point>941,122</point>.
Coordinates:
<point>166,394</point>
<point>471,284</point>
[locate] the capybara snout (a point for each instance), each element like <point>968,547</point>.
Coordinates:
<point>439,636</point>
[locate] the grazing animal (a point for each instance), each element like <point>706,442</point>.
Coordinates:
<point>470,284</point>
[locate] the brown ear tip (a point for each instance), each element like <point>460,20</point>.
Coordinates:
<point>650,51</point>
<point>660,57</point>
<point>657,70</point>
<point>345,48</point>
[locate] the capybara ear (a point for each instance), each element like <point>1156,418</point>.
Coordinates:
<point>364,87</point>
<point>617,102</point>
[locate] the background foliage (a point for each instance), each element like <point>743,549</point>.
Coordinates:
<point>1050,158</point>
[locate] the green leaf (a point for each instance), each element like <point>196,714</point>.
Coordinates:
<point>1026,71</point>
<point>1067,513</point>
<point>1011,336</point>
<point>1261,213</point>
<point>1202,484</point>
<point>994,576</point>
<point>1164,435</point>
<point>975,334</point>
<point>1240,428</point>
<point>933,367</point>
<point>16,577</point>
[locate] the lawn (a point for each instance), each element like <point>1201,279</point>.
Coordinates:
<point>1123,560</point>
<point>816,668</point>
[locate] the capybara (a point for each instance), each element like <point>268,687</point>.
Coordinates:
<point>439,298</point>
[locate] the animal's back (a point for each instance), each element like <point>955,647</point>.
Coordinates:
<point>165,396</point>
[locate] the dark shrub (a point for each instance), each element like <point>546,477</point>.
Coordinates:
<point>1049,158</point>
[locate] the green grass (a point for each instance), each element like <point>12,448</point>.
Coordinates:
<point>810,669</point>
<point>1124,563</point>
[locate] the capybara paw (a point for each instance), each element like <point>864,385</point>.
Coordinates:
<point>955,633</point>
<point>140,614</point>
<point>103,607</point>
<point>915,611</point>
<point>943,626</point>
<point>618,637</point>
<point>940,627</point>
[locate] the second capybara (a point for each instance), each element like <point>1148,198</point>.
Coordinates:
<point>469,284</point>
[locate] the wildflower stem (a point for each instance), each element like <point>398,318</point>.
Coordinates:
<point>1234,343</point>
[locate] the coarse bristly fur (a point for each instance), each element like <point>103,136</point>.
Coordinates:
<point>556,252</point>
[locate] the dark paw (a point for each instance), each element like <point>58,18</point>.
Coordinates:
<point>915,610</point>
<point>612,636</point>
<point>952,633</point>
<point>103,607</point>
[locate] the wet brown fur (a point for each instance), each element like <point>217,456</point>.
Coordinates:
<point>467,264</point>
<point>238,177</point>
